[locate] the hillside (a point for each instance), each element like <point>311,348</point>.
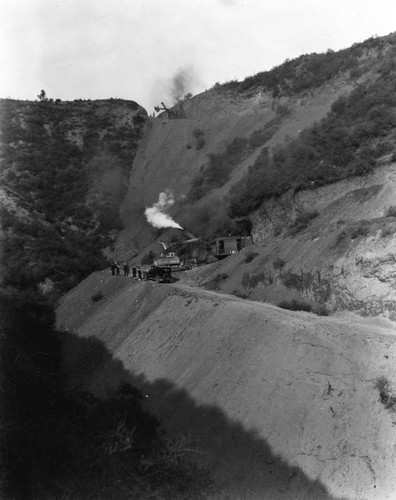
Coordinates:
<point>276,404</point>
<point>219,136</point>
<point>310,165</point>
<point>64,172</point>
<point>265,398</point>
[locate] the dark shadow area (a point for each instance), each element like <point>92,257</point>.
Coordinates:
<point>59,441</point>
<point>240,463</point>
<point>75,424</point>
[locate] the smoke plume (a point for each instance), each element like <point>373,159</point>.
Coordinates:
<point>157,216</point>
<point>183,82</point>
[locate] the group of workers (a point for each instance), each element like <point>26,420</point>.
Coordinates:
<point>134,272</point>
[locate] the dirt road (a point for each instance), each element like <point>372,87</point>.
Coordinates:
<point>278,404</point>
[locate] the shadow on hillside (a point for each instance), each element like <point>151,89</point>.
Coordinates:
<point>241,463</point>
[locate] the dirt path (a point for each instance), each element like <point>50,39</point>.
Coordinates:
<point>277,404</point>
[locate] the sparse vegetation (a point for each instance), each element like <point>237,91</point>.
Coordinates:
<point>386,396</point>
<point>277,230</point>
<point>300,305</point>
<point>302,221</point>
<point>97,296</point>
<point>295,305</point>
<point>199,137</point>
<point>346,143</point>
<point>341,236</point>
<point>362,229</point>
<point>217,172</point>
<point>251,280</point>
<point>250,255</point>
<point>309,70</point>
<point>391,212</point>
<point>215,283</point>
<point>240,294</point>
<point>388,231</point>
<point>278,263</point>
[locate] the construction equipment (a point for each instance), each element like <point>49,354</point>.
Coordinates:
<point>222,247</point>
<point>170,259</point>
<point>171,114</point>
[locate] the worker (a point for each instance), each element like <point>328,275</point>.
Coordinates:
<point>113,268</point>
<point>126,269</point>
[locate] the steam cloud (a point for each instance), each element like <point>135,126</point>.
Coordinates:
<point>157,216</point>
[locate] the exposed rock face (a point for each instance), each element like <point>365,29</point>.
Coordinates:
<point>346,256</point>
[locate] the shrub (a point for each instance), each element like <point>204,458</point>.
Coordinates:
<point>320,310</point>
<point>277,230</point>
<point>386,398</point>
<point>295,305</point>
<point>302,221</point>
<point>218,170</point>
<point>340,237</point>
<point>360,230</point>
<point>216,281</point>
<point>97,296</point>
<point>279,263</point>
<point>199,137</point>
<point>252,280</point>
<point>250,256</point>
<point>391,212</point>
<point>387,232</point>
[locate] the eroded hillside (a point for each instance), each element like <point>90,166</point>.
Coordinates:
<point>306,154</point>
<point>276,404</point>
<point>210,142</point>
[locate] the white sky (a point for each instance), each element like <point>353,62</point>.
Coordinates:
<point>131,49</point>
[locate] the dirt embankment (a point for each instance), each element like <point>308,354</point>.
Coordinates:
<point>277,404</point>
<point>333,246</point>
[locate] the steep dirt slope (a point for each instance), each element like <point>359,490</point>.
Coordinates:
<point>276,404</point>
<point>340,256</point>
<point>212,138</point>
<point>170,156</point>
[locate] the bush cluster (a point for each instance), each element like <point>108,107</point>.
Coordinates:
<point>215,283</point>
<point>50,174</point>
<point>311,70</point>
<point>199,137</point>
<point>302,221</point>
<point>386,396</point>
<point>250,256</point>
<point>219,168</point>
<point>346,143</point>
